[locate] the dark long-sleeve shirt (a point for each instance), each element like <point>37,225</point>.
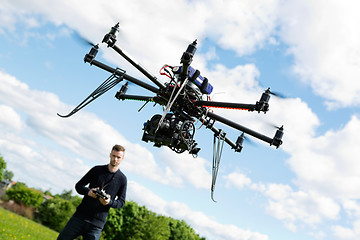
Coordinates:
<point>115,184</point>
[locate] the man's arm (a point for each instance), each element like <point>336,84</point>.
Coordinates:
<point>120,201</point>
<point>80,186</point>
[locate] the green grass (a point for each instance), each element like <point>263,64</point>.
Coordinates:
<point>13,226</point>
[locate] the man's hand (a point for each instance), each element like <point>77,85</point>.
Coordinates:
<point>92,194</point>
<point>105,201</point>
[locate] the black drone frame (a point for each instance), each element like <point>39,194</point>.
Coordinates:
<point>175,127</point>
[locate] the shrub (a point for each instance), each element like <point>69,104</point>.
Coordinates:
<point>55,213</point>
<point>21,194</point>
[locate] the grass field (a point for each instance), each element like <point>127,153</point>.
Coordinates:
<point>13,226</point>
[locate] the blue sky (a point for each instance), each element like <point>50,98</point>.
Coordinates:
<point>307,50</point>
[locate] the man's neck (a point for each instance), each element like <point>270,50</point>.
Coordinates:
<point>112,168</point>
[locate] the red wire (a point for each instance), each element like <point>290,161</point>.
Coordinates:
<point>162,72</point>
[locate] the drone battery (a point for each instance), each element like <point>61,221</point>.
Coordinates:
<point>200,81</point>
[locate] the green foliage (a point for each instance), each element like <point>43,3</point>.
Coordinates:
<point>8,175</point>
<point>2,168</point>
<point>4,173</point>
<point>181,231</point>
<point>134,222</point>
<point>113,226</point>
<point>140,223</point>
<point>55,213</point>
<point>67,195</point>
<point>14,226</point>
<point>21,194</point>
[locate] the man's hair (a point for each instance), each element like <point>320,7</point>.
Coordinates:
<point>117,148</point>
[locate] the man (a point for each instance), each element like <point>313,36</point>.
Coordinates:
<point>107,188</point>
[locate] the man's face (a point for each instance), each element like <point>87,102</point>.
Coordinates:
<point>116,157</point>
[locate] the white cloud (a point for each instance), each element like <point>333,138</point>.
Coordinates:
<point>10,118</point>
<point>239,180</point>
<point>143,163</point>
<point>323,36</point>
<point>326,176</point>
<point>39,166</point>
<point>211,228</point>
<point>352,207</point>
<point>203,224</point>
<point>7,17</point>
<point>293,206</point>
<point>193,170</point>
<point>344,233</point>
<point>241,26</point>
<point>328,163</point>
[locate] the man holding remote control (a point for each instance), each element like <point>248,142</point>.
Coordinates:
<point>103,187</point>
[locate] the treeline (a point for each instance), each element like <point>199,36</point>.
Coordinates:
<point>130,222</point>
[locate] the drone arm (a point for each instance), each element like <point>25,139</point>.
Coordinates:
<point>110,40</point>
<point>240,106</point>
<point>125,76</point>
<point>276,141</point>
<point>138,66</point>
<point>135,97</point>
<point>261,106</point>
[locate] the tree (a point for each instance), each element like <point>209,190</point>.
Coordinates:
<point>67,195</point>
<point>155,227</point>
<point>114,223</point>
<point>8,175</point>
<point>4,173</point>
<point>2,168</point>
<point>21,194</point>
<point>55,213</point>
<point>133,222</point>
<point>181,231</point>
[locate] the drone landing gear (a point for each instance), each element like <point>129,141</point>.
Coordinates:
<point>219,139</point>
<point>109,83</point>
<point>171,102</point>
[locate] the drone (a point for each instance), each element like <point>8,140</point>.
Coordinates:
<point>185,99</point>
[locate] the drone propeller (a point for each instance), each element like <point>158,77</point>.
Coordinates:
<point>277,127</point>
<point>276,94</point>
<point>82,40</point>
<point>248,140</point>
<point>179,39</point>
<point>272,125</point>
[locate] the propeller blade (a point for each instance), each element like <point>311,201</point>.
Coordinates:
<point>277,94</point>
<point>82,40</point>
<point>272,125</point>
<point>274,93</point>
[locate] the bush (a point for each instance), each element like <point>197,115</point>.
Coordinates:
<point>134,222</point>
<point>55,213</point>
<point>21,194</point>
